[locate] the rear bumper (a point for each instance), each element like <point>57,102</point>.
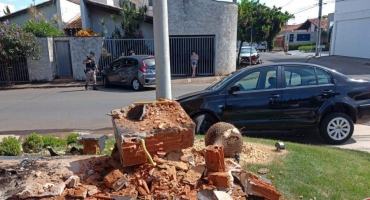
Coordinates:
<point>147,79</point>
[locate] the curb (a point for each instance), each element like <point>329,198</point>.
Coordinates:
<point>200,80</point>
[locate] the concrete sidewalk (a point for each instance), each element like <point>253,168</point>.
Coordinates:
<point>303,54</point>
<point>174,80</point>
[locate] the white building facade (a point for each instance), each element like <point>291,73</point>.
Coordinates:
<point>351,31</point>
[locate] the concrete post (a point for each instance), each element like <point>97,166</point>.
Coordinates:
<point>319,30</point>
<point>161,49</point>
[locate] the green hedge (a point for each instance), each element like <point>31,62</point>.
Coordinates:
<point>53,141</point>
<point>296,46</point>
<point>308,48</point>
<point>10,146</point>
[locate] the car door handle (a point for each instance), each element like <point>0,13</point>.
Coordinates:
<point>274,96</point>
<point>326,92</point>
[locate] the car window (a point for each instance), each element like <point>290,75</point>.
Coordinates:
<point>323,77</point>
<point>130,62</point>
<point>116,64</point>
<point>248,82</point>
<point>149,62</point>
<point>296,76</point>
<point>248,50</point>
<point>271,80</point>
<point>263,78</point>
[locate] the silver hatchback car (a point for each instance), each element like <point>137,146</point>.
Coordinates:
<point>135,71</point>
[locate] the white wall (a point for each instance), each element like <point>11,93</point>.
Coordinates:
<point>68,11</point>
<point>351,29</point>
<point>3,6</point>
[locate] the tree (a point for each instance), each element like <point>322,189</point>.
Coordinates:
<point>7,10</point>
<point>130,20</point>
<point>277,20</point>
<point>266,22</point>
<point>40,27</point>
<point>15,43</point>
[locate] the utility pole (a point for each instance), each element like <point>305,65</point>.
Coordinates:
<point>250,58</point>
<point>318,38</point>
<point>161,49</point>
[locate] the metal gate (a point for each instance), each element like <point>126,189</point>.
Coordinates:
<point>180,51</point>
<point>63,57</point>
<point>18,71</point>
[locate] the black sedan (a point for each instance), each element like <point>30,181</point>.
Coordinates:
<point>284,96</point>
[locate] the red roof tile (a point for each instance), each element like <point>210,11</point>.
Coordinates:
<point>74,24</point>
<point>315,21</point>
<point>290,27</point>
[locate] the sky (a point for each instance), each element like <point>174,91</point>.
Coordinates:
<point>295,7</point>
<point>21,4</point>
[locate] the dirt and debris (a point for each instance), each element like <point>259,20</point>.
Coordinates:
<point>101,177</point>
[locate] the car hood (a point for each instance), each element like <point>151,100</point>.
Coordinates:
<point>247,54</point>
<point>197,93</point>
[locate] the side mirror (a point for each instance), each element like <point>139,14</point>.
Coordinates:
<point>234,89</point>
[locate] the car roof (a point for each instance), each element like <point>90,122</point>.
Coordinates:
<point>293,63</point>
<point>137,56</point>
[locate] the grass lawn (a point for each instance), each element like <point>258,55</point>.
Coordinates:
<point>317,172</point>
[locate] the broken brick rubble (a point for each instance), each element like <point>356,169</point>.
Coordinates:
<point>219,179</point>
<point>163,125</point>
<point>214,156</point>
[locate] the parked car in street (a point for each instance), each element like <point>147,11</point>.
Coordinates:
<point>262,46</point>
<point>248,52</point>
<point>284,96</point>
<point>135,71</point>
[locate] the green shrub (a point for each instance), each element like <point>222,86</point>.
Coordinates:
<point>307,48</point>
<point>72,138</point>
<point>32,142</point>
<point>10,146</point>
<point>296,46</point>
<point>53,141</point>
<point>42,28</point>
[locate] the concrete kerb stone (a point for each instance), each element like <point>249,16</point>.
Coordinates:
<point>182,80</point>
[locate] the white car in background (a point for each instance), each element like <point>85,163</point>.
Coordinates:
<point>262,46</point>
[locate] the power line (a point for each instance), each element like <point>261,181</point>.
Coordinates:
<point>306,9</point>
<point>288,3</point>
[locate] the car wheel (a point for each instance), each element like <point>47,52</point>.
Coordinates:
<point>106,82</point>
<point>203,122</point>
<point>336,128</point>
<point>136,85</point>
<point>264,50</point>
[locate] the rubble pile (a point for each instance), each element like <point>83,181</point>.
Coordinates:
<point>191,173</point>
<point>163,125</point>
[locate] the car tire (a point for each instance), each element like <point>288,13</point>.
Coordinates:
<point>203,122</point>
<point>136,85</point>
<point>264,50</point>
<point>106,82</point>
<point>336,128</point>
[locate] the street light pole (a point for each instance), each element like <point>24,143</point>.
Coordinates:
<point>318,39</point>
<point>161,49</point>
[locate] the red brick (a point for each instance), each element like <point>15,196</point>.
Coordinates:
<point>220,179</point>
<point>215,161</point>
<point>112,177</point>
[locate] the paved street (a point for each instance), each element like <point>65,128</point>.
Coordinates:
<point>56,110</point>
<point>67,109</point>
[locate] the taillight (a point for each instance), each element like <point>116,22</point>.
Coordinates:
<point>254,57</point>
<point>143,67</point>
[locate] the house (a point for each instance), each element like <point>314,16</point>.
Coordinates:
<point>351,29</point>
<point>191,28</point>
<point>65,10</point>
<point>3,7</point>
<point>305,32</point>
<point>210,35</point>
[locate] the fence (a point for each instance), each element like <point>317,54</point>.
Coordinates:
<point>180,50</point>
<point>18,71</point>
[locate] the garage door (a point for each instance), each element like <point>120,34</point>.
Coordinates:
<point>353,38</point>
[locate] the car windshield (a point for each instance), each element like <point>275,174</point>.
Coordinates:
<point>149,62</point>
<point>223,81</point>
<point>248,50</point>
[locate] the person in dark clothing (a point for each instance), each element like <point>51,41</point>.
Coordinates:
<point>91,70</point>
